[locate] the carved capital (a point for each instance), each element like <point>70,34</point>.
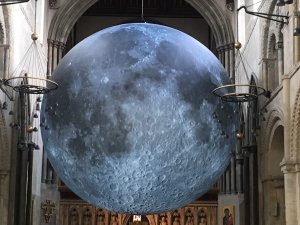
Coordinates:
<point>287,167</point>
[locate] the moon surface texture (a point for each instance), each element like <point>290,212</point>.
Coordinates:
<point>133,126</point>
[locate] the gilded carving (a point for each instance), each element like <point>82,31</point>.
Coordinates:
<point>48,208</point>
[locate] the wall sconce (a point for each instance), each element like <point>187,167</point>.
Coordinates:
<point>230,5</point>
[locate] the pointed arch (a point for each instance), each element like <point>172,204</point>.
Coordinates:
<point>67,15</point>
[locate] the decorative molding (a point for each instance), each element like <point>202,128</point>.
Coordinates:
<point>295,130</point>
<point>72,212</point>
<point>290,168</point>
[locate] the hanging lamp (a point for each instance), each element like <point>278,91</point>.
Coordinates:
<point>30,74</point>
<point>239,93</point>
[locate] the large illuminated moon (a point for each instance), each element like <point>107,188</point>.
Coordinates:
<point>133,127</point>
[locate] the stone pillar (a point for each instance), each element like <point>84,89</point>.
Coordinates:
<point>298,193</point>
<point>3,205</point>
<point>291,172</point>
<point>224,184</point>
<point>246,185</point>
<point>232,64</point>
<point>287,115</point>
<point>55,54</point>
<point>264,72</point>
<point>221,185</point>
<point>233,174</point>
<point>240,179</point>
<point>227,60</point>
<point>279,47</point>
<point>226,57</point>
<point>296,38</point>
<point>222,55</point>
<point>228,180</point>
<point>49,61</point>
<point>289,168</point>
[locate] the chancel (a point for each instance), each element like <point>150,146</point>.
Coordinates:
<point>245,150</point>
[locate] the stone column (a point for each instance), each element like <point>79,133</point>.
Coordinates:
<point>298,192</point>
<point>49,61</point>
<point>287,115</point>
<point>3,207</point>
<point>233,174</point>
<point>264,72</point>
<point>232,64</point>
<point>228,180</point>
<point>296,38</point>
<point>246,177</point>
<point>279,47</point>
<point>291,173</point>
<point>224,184</point>
<point>54,54</point>
<point>227,59</point>
<point>240,179</point>
<point>289,168</point>
<point>221,53</point>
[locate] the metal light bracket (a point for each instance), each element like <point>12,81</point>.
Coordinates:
<point>10,2</point>
<point>9,95</point>
<point>284,19</point>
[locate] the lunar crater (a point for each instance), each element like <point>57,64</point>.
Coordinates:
<point>138,130</point>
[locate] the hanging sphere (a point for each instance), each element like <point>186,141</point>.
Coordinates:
<point>133,127</point>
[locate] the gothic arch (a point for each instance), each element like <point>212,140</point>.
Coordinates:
<point>67,15</point>
<point>294,156</point>
<point>268,27</point>
<point>274,120</point>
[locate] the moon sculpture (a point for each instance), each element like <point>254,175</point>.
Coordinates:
<point>133,127</point>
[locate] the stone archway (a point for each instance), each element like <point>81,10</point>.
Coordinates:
<point>67,15</point>
<point>274,182</point>
<point>274,201</point>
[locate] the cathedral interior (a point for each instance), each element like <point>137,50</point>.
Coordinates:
<point>256,41</point>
